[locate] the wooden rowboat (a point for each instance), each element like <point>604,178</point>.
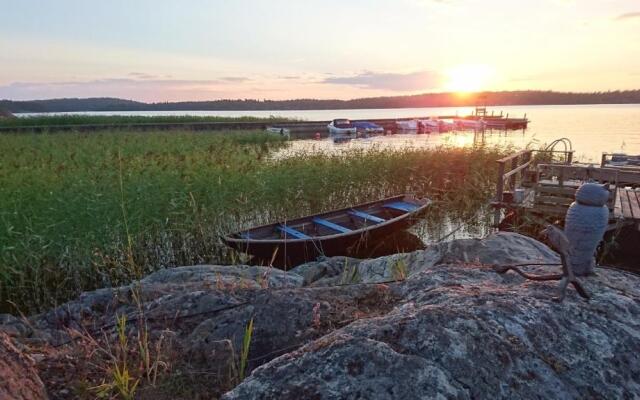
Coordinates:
<point>330,234</point>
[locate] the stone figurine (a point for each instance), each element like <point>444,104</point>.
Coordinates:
<point>585,224</point>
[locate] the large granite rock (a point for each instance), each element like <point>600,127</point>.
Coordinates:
<point>19,379</point>
<point>205,310</point>
<point>434,323</point>
<point>462,331</point>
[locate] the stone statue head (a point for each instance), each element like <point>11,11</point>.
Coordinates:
<point>592,194</point>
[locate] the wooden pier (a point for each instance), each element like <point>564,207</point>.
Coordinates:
<point>541,184</point>
<point>298,129</point>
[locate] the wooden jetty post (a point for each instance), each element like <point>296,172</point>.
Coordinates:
<point>517,163</point>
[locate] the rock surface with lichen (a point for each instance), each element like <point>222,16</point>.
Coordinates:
<point>435,323</point>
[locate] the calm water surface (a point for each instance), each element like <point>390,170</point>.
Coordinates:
<point>592,129</point>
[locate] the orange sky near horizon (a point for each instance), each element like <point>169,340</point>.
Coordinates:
<point>205,50</point>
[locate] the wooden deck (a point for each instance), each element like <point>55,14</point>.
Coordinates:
<point>627,204</point>
<point>546,189</point>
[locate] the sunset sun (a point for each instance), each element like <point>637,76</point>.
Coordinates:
<point>469,78</point>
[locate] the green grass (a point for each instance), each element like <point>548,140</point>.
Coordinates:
<point>66,120</point>
<point>81,211</point>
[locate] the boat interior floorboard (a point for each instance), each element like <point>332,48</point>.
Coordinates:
<point>331,225</point>
<point>366,216</point>
<point>401,206</point>
<point>293,232</point>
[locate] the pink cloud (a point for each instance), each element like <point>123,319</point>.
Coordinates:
<point>390,81</point>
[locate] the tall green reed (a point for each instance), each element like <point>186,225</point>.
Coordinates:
<point>80,211</point>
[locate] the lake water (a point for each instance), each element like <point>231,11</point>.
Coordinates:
<point>592,129</point>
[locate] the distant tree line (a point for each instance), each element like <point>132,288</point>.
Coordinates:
<point>528,97</point>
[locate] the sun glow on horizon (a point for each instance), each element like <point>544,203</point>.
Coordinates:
<point>469,78</point>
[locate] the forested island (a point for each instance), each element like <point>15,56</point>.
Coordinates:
<point>503,98</point>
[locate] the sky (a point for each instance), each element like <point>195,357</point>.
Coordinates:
<point>166,50</point>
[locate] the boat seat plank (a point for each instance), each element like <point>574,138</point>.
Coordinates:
<point>366,217</point>
<point>292,232</point>
<point>331,225</point>
<point>401,206</point>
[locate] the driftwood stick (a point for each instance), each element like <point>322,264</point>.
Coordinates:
<point>564,282</point>
<point>561,243</point>
<point>569,277</point>
<point>501,269</point>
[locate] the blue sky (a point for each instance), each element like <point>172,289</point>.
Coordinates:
<point>195,50</point>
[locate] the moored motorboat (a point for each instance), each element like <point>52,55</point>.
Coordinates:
<point>618,159</point>
<point>470,123</point>
<point>429,125</point>
<point>407,125</point>
<point>330,234</point>
<point>634,160</point>
<point>367,128</point>
<point>341,127</point>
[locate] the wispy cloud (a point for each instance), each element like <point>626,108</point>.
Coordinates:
<point>626,16</point>
<point>390,81</point>
<point>235,79</point>
<point>142,75</point>
<point>290,77</point>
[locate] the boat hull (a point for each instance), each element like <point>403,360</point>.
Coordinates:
<point>341,131</point>
<point>285,253</point>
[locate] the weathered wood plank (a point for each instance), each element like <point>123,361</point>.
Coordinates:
<point>566,184</point>
<point>516,170</point>
<point>565,201</point>
<point>515,155</point>
<point>556,210</point>
<point>626,207</point>
<point>499,191</point>
<point>634,203</point>
<point>556,190</point>
<point>617,207</point>
<point>608,174</point>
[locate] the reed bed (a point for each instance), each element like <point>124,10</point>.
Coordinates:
<point>81,211</point>
<point>70,120</point>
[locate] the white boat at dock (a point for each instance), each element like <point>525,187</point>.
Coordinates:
<point>620,159</point>
<point>342,127</point>
<point>407,125</point>
<point>428,125</point>
<point>366,128</point>
<point>468,123</point>
<point>436,125</point>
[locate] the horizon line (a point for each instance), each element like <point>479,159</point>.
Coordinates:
<point>461,95</point>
